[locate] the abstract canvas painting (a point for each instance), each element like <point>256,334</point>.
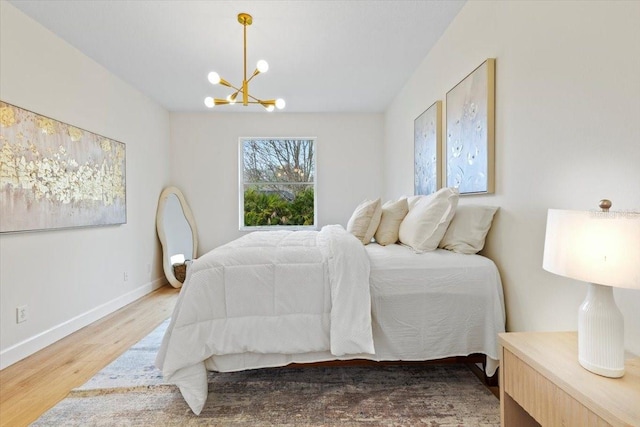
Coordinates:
<point>427,137</point>
<point>54,175</point>
<point>470,131</point>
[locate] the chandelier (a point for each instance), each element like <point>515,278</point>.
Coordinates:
<point>243,92</point>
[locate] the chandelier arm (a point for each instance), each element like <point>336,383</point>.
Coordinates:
<point>264,104</point>
<point>261,101</point>
<point>254,74</point>
<point>233,87</point>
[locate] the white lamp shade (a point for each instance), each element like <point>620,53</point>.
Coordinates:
<point>596,247</point>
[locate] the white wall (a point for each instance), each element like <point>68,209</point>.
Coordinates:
<point>204,163</point>
<point>567,134</point>
<point>70,278</point>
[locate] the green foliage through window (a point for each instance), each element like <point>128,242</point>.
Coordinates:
<point>262,208</point>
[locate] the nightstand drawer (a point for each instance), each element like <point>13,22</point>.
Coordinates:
<point>547,403</point>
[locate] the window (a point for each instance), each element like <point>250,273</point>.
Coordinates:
<point>277,183</point>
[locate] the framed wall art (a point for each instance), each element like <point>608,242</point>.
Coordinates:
<point>470,118</point>
<point>427,139</point>
<point>54,175</point>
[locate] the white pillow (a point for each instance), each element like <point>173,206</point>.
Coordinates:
<point>428,219</point>
<point>392,215</point>
<point>412,200</point>
<point>468,229</point>
<point>365,219</point>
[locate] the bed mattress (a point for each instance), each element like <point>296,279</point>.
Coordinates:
<point>424,306</point>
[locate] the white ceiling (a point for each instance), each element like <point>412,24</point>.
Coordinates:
<point>324,56</point>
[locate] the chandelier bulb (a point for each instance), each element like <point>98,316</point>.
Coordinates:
<point>214,78</point>
<point>280,104</point>
<point>208,101</point>
<point>270,108</point>
<point>262,66</point>
<point>232,98</point>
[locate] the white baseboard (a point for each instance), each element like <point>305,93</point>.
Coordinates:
<point>33,344</point>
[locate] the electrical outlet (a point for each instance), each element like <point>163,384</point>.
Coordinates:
<point>22,314</point>
<point>125,276</point>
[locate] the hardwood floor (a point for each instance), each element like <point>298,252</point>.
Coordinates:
<point>35,384</point>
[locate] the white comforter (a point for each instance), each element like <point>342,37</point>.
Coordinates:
<point>269,292</point>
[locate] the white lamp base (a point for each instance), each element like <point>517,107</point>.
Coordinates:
<point>601,333</point>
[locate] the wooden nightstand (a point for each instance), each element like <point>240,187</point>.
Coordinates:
<point>542,383</point>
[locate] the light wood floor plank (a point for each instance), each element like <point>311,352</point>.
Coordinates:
<point>33,385</point>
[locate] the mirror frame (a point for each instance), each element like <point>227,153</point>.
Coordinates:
<point>166,262</point>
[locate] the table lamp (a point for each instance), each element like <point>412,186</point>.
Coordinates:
<point>603,249</point>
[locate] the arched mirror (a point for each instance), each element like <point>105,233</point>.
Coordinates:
<point>177,232</point>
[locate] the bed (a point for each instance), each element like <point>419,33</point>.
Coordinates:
<point>274,298</point>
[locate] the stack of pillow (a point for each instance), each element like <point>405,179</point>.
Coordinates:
<point>424,223</point>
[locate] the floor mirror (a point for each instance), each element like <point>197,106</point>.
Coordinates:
<point>177,233</point>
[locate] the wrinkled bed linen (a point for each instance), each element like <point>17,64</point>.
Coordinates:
<point>269,292</point>
<point>425,306</point>
<point>435,305</point>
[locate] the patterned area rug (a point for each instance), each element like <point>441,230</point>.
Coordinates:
<point>130,392</point>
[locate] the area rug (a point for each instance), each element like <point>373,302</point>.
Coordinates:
<point>131,392</point>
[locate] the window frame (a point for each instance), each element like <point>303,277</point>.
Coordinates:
<point>241,184</point>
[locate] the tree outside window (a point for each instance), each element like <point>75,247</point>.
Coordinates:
<point>277,182</point>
